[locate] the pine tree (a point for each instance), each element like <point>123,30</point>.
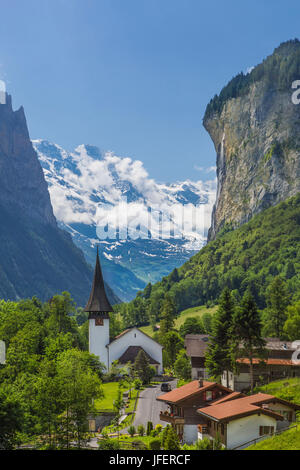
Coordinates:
<point>277,301</point>
<point>172,440</point>
<point>142,367</point>
<point>168,315</point>
<point>218,357</point>
<point>246,331</point>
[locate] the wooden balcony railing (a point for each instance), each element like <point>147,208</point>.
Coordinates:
<point>171,418</point>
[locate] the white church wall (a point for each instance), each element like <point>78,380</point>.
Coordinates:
<point>135,337</point>
<point>98,339</point>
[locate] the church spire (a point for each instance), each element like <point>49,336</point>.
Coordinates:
<point>98,303</point>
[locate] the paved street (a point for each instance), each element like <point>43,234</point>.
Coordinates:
<point>148,407</point>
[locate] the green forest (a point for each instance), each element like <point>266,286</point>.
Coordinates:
<point>247,258</point>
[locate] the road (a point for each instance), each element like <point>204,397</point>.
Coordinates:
<point>148,407</point>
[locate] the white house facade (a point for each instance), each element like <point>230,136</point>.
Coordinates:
<point>135,337</point>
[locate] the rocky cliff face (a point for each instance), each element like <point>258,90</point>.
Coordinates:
<point>255,128</point>
<point>36,257</point>
<point>22,182</point>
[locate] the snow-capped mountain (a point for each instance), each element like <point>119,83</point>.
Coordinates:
<point>145,228</point>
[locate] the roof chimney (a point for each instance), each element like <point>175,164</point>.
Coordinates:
<point>200,383</point>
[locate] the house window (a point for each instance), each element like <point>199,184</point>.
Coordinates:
<point>266,430</point>
<point>287,415</point>
<point>209,395</point>
<point>99,321</point>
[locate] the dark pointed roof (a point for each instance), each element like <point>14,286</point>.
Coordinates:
<point>98,301</point>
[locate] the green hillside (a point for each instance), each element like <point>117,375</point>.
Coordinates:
<point>194,312</point>
<point>288,440</point>
<point>287,389</point>
<point>248,257</point>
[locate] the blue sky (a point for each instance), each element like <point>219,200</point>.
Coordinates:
<point>134,76</point>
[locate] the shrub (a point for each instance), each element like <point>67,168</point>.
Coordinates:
<point>141,430</point>
<point>131,430</point>
<point>149,427</point>
<point>158,428</point>
<point>108,444</point>
<point>155,444</point>
<point>137,384</point>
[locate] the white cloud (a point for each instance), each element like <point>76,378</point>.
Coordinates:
<point>91,191</point>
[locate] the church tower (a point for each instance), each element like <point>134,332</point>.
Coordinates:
<point>98,307</point>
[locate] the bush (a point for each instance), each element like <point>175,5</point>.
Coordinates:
<point>155,444</point>
<point>108,444</point>
<point>158,428</point>
<point>141,430</point>
<point>131,430</point>
<point>149,427</point>
<point>137,384</point>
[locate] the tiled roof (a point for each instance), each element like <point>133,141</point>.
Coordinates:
<point>231,396</point>
<point>276,344</point>
<point>271,361</point>
<point>196,345</point>
<point>131,353</point>
<point>260,398</point>
<point>187,391</point>
<point>237,408</point>
<point>121,334</point>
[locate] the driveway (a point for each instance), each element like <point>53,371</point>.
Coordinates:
<point>148,408</point>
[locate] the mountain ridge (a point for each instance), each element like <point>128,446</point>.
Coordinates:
<point>88,187</point>
<point>255,129</point>
<point>37,258</point>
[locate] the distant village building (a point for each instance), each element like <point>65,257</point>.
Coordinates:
<point>126,346</point>
<point>281,362</point>
<point>202,409</point>
<point>196,346</point>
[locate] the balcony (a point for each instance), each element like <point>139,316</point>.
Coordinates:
<point>171,418</point>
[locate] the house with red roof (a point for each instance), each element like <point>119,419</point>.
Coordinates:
<point>183,403</point>
<point>282,361</point>
<point>239,420</point>
<point>202,409</point>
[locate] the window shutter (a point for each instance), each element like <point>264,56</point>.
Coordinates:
<point>261,430</point>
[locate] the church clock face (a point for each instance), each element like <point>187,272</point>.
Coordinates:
<point>98,321</point>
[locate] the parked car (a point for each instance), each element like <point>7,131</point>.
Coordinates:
<point>165,387</point>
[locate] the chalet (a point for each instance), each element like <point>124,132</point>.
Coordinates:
<point>202,409</point>
<point>196,346</point>
<point>183,403</point>
<point>239,420</point>
<point>282,362</point>
<point>126,346</point>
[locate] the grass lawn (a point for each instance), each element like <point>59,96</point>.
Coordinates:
<point>287,389</point>
<point>189,312</point>
<point>125,440</point>
<point>110,390</point>
<point>193,312</point>
<point>288,440</point>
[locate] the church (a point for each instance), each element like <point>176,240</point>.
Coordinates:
<point>126,346</point>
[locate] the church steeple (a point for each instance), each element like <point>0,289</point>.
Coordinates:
<point>98,303</point>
